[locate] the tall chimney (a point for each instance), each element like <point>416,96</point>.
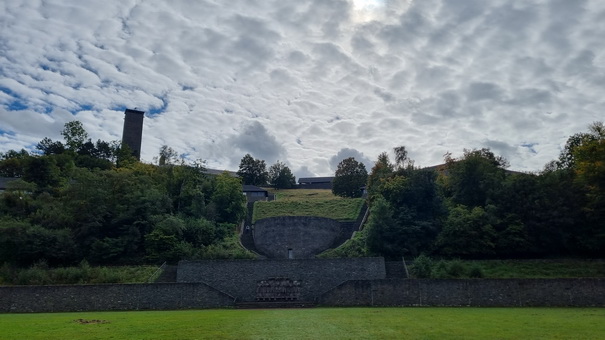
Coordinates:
<point>133,131</point>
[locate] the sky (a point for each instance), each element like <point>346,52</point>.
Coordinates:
<point>307,82</point>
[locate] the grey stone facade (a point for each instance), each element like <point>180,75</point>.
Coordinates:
<point>71,298</point>
<point>469,292</point>
<point>241,278</point>
<point>295,236</point>
<point>328,282</point>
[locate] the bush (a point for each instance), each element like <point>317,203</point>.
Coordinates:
<point>476,271</point>
<point>422,267</point>
<point>455,269</point>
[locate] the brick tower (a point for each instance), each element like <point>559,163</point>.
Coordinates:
<point>133,130</point>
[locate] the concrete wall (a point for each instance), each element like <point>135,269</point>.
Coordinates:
<point>305,236</point>
<point>71,298</point>
<point>469,292</point>
<point>239,278</point>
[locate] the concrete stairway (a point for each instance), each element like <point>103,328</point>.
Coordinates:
<point>274,304</point>
<point>247,236</point>
<point>347,228</point>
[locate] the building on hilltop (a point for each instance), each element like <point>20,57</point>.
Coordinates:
<point>254,193</point>
<point>315,183</point>
<point>132,134</point>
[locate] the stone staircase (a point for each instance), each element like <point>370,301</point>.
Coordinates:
<point>274,304</point>
<point>247,236</point>
<point>347,228</point>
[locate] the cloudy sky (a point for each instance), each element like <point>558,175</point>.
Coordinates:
<point>307,82</point>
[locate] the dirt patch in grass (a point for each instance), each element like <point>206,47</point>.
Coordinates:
<point>88,322</point>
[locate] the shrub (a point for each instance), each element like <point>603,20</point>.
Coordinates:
<point>422,267</point>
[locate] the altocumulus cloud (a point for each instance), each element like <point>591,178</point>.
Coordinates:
<point>307,82</point>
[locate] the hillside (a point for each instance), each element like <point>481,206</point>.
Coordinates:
<point>308,202</point>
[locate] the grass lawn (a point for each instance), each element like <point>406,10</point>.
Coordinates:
<point>316,323</point>
<point>338,209</point>
<point>304,194</point>
<point>308,202</point>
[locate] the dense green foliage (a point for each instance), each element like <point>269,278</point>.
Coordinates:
<point>312,323</point>
<point>472,207</point>
<point>94,202</point>
<point>253,171</point>
<point>41,274</point>
<point>281,177</point>
<point>349,178</point>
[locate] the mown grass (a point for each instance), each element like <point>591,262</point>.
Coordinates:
<point>83,274</point>
<point>317,323</point>
<point>338,209</point>
<point>304,194</point>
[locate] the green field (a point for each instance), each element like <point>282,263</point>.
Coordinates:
<point>308,202</point>
<point>317,323</point>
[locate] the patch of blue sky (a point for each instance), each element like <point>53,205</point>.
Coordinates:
<point>16,104</point>
<point>6,132</point>
<point>530,147</point>
<point>153,111</point>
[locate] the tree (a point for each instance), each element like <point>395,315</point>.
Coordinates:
<point>167,155</point>
<point>567,158</point>
<point>401,158</point>
<point>48,147</point>
<point>229,199</point>
<point>467,233</point>
<point>280,176</point>
<point>350,177</point>
<point>589,170</point>
<point>382,230</point>
<point>382,170</point>
<point>253,171</point>
<point>74,134</point>
<point>475,178</point>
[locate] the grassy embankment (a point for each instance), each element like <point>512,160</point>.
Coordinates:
<point>82,274</point>
<point>563,268</point>
<point>309,202</point>
<point>316,323</point>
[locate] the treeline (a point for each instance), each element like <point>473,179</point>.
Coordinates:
<point>472,207</point>
<point>78,200</point>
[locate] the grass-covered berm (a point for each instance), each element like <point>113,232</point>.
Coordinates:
<point>309,202</point>
<point>315,323</point>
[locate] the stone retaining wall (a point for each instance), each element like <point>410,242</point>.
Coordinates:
<point>72,298</point>
<point>240,278</point>
<point>295,236</point>
<point>469,292</point>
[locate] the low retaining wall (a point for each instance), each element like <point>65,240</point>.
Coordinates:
<point>469,292</point>
<point>387,292</point>
<point>240,278</point>
<point>72,298</point>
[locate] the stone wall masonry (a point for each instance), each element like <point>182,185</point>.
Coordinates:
<point>304,236</point>
<point>469,292</point>
<point>107,297</point>
<point>239,278</point>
